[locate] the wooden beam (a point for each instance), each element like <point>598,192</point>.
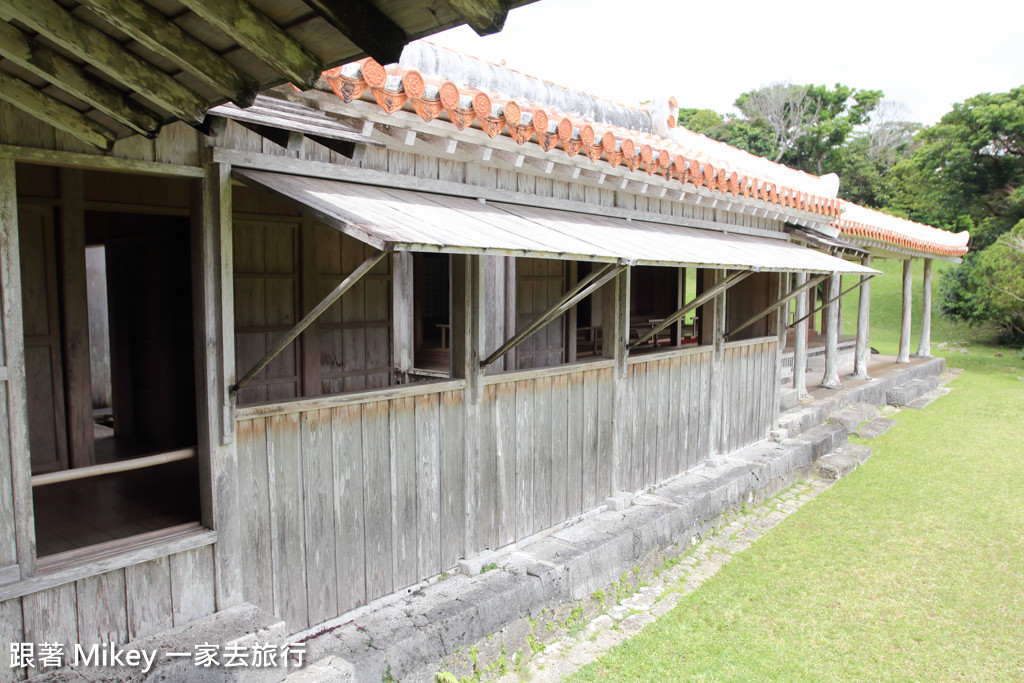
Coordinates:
<point>257,33</point>
<point>54,112</point>
<point>157,33</point>
<point>483,16</point>
<point>31,55</point>
<point>61,159</point>
<point>96,47</point>
<point>830,379</point>
<point>289,139</point>
<point>367,27</point>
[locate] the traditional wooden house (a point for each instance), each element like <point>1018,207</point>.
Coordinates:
<point>345,336</point>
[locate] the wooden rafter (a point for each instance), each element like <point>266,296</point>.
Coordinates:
<point>258,34</point>
<point>59,115</point>
<point>157,33</point>
<point>77,37</point>
<point>365,25</point>
<point>484,16</point>
<point>32,56</point>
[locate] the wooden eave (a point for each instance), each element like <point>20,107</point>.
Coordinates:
<point>101,70</point>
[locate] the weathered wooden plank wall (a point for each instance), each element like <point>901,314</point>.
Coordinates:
<point>116,606</point>
<point>666,401</point>
<point>750,379</point>
<point>351,502</point>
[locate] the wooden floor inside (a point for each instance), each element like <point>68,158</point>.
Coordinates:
<point>80,513</point>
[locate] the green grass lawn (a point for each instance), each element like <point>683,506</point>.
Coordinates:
<point>911,568</point>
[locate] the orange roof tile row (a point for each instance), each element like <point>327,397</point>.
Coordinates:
<point>863,222</point>
<point>394,88</point>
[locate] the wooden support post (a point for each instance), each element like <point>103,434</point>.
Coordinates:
<point>75,317</point>
<point>781,328</point>
<point>924,347</point>
<point>468,331</point>
<point>615,333</point>
<point>214,320</point>
<point>17,460</point>
<point>402,311</point>
<point>831,378</point>
<point>863,352</point>
<point>904,354</point>
<point>716,395</point>
<point>800,339</point>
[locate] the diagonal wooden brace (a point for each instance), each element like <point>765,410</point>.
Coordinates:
<point>707,296</point>
<point>839,296</point>
<point>583,288</point>
<point>293,334</point>
<point>813,282</point>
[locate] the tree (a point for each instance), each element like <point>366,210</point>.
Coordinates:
<point>809,123</point>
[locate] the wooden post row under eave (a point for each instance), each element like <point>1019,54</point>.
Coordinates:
<point>213,306</point>
<point>924,346</point>
<point>904,353</point>
<point>17,509</point>
<point>863,352</point>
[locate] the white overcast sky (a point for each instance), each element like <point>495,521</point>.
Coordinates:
<point>926,54</point>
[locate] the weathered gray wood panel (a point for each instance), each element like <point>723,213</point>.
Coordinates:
<point>192,585</point>
<point>452,499</point>
<point>148,591</point>
<point>377,499</point>
<point>257,538</point>
<point>428,486</point>
<point>524,459</point>
<point>750,379</point>
<point>51,616</point>
<point>403,491</point>
<point>318,505</point>
<point>287,524</point>
<point>350,544</point>
<point>102,609</point>
<point>12,630</point>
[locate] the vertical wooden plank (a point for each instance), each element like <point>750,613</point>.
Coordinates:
<point>452,420</point>
<point>403,491</point>
<point>377,501</point>
<point>318,506</point>
<point>654,398</point>
<point>626,422</point>
<point>525,425</point>
<point>542,440</point>
<point>285,465</point>
<point>487,495</point>
<point>686,396</point>
<point>192,590</point>
<point>574,446</point>
<point>402,296</point>
<point>704,415</point>
<point>675,415</point>
<point>350,544</point>
<point>591,454</point>
<point>505,453</point>
<point>51,616</point>
<point>257,537</point>
<point>428,485</point>
<point>664,438</point>
<point>606,434</point>
<point>12,630</point>
<point>148,596</point>
<point>640,399</point>
<point>559,445</point>
<point>24,545</point>
<point>102,609</point>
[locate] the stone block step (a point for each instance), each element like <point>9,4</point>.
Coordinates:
<point>874,428</point>
<point>926,400</point>
<point>788,399</point>
<point>843,461</point>
<point>854,415</point>
<point>823,439</point>
<point>905,393</point>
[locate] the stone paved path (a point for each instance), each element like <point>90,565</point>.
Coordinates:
<point>680,577</point>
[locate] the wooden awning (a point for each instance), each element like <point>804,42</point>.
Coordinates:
<point>405,220</point>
